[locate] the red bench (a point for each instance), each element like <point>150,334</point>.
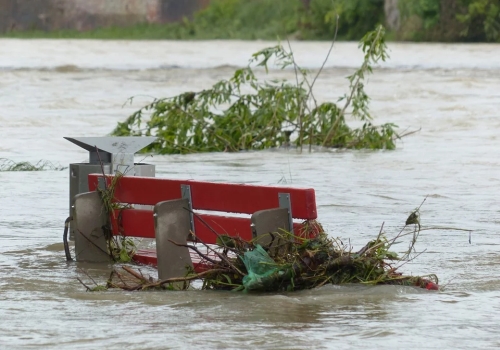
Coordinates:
<point>212,204</point>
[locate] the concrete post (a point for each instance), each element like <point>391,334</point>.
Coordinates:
<point>89,218</point>
<point>269,221</point>
<point>172,225</point>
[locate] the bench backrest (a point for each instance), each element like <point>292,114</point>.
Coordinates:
<point>219,198</point>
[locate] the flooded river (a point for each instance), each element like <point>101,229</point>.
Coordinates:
<point>50,89</point>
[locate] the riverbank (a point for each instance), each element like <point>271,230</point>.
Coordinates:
<point>405,20</point>
<point>155,19</point>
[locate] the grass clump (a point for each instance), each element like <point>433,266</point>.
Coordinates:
<point>42,165</point>
<point>121,249</point>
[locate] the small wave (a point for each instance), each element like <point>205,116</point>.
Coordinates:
<point>67,68</point>
<point>459,70</point>
<point>225,67</point>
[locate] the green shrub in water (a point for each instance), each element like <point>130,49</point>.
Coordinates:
<point>245,113</point>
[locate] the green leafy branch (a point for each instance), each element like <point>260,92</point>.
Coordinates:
<point>247,113</point>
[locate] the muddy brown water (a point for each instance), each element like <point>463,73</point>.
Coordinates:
<point>50,89</point>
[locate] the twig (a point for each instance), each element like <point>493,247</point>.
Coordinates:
<point>87,287</point>
<point>411,259</point>
<point>87,274</point>
<point>381,230</point>
<point>190,278</point>
<point>65,239</point>
<point>354,87</point>
<point>207,226</point>
<point>420,206</point>
<point>102,168</point>
<point>367,247</point>
<point>95,245</point>
<point>327,56</point>
<point>120,276</point>
<point>299,100</point>
<point>399,235</point>
<point>323,282</point>
<point>293,59</point>
<point>196,250</point>
<point>135,274</point>
<point>409,133</point>
<point>110,278</point>
<point>441,288</point>
<point>221,256</point>
<point>445,228</point>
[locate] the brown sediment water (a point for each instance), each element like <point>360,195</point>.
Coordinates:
<point>55,88</point>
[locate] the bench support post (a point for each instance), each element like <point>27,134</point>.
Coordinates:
<point>89,218</point>
<point>186,194</point>
<point>172,224</point>
<point>286,202</point>
<point>269,221</point>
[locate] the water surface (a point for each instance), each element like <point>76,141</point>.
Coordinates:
<point>51,88</point>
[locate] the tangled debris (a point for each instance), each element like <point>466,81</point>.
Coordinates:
<point>289,263</point>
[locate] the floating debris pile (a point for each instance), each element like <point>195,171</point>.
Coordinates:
<point>287,262</point>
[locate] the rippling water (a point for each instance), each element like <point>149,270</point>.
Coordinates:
<point>50,89</point>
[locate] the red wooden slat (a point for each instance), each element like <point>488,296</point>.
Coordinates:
<point>232,226</point>
<point>140,223</point>
<point>146,257</point>
<point>134,223</point>
<point>224,197</point>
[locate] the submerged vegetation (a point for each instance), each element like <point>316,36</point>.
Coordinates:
<point>120,248</point>
<point>42,165</point>
<point>246,113</point>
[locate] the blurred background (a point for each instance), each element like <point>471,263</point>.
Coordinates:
<point>407,20</point>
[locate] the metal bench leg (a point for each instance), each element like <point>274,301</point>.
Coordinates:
<point>269,221</point>
<point>172,224</point>
<point>89,218</point>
